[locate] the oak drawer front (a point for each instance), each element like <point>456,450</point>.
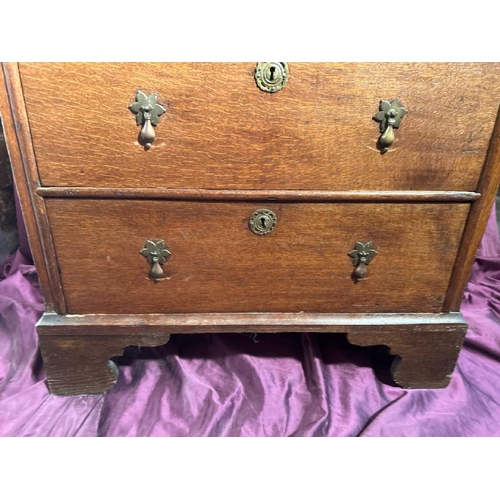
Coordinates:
<point>217,264</point>
<point>221,131</point>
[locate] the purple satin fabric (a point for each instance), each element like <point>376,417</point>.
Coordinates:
<point>238,385</point>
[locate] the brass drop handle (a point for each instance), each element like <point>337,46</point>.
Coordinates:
<point>389,116</point>
<point>147,132</point>
<point>147,111</point>
<point>157,254</point>
<point>361,256</point>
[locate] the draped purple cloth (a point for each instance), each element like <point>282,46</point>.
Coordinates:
<point>242,385</point>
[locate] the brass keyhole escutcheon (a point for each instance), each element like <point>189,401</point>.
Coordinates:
<point>271,76</point>
<point>262,221</point>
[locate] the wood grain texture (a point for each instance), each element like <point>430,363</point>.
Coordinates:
<point>192,323</point>
<point>224,149</point>
<point>265,195</point>
<point>476,222</point>
<point>81,364</point>
<point>221,131</point>
<point>219,265</point>
<point>425,358</point>
<point>426,345</point>
<point>17,135</point>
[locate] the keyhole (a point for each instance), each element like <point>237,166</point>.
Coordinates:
<point>273,74</point>
<point>262,221</point>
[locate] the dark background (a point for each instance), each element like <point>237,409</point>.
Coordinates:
<point>9,238</point>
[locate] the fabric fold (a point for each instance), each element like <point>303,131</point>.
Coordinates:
<point>244,385</point>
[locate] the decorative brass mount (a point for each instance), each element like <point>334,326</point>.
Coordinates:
<point>271,76</point>
<point>157,254</point>
<point>361,256</point>
<point>389,116</point>
<point>262,221</point>
<point>147,111</point>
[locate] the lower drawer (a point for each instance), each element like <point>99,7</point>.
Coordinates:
<point>218,265</point>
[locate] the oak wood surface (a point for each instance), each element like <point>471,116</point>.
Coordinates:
<point>277,195</point>
<point>192,323</point>
<point>221,131</point>
<point>424,359</point>
<point>81,364</point>
<point>426,345</point>
<point>219,265</point>
<point>17,135</point>
<point>224,149</point>
<point>476,222</point>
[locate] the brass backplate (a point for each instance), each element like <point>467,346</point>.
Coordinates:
<point>262,221</point>
<point>271,76</point>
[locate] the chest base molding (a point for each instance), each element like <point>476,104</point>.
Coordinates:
<point>77,348</point>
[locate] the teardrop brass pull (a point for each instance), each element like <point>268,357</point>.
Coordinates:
<point>157,254</point>
<point>147,112</point>
<point>389,116</point>
<point>361,256</point>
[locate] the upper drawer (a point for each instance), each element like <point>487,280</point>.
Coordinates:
<point>221,131</point>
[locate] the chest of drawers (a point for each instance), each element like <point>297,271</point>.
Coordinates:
<point>177,198</point>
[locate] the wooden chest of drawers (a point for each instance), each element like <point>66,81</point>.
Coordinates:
<point>196,197</point>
